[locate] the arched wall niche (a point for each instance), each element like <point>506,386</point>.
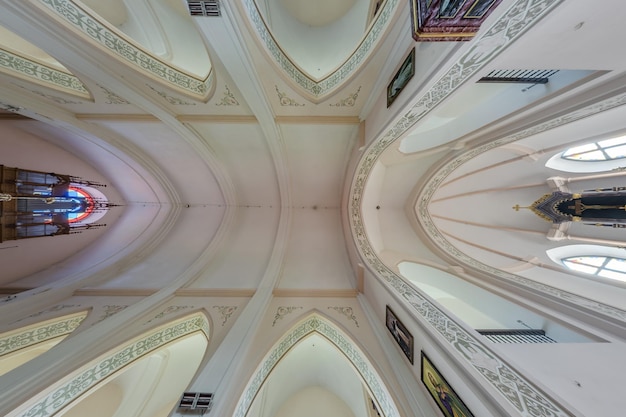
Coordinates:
<point>148,350</point>
<point>26,343</point>
<point>318,325</point>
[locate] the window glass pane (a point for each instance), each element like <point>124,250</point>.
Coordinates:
<point>580,149</point>
<point>588,260</point>
<point>612,274</point>
<point>616,152</point>
<point>580,267</point>
<point>612,142</point>
<point>617,264</point>
<point>588,156</point>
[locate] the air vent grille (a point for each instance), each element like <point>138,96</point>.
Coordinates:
<point>517,336</point>
<point>204,8</point>
<point>518,76</point>
<point>198,402</point>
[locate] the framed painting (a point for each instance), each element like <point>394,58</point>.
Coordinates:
<point>446,398</point>
<point>403,338</point>
<point>402,77</point>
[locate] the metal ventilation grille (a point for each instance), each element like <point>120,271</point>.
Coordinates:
<point>517,336</point>
<point>196,402</point>
<point>518,76</point>
<point>204,8</point>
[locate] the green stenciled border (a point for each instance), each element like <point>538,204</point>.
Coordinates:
<point>96,372</point>
<point>317,324</point>
<point>40,332</point>
<point>126,50</point>
<point>22,67</point>
<point>335,79</point>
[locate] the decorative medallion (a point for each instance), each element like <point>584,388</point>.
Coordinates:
<point>228,99</point>
<point>346,311</point>
<point>349,101</point>
<point>286,101</point>
<point>282,312</point>
<point>226,312</point>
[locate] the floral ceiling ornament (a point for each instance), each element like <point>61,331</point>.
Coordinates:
<point>349,101</point>
<point>228,99</point>
<point>346,311</point>
<point>226,312</point>
<point>169,310</point>
<point>112,98</point>
<point>110,310</point>
<point>282,312</point>
<point>286,101</point>
<point>170,99</point>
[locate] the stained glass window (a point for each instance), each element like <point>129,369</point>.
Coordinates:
<point>604,150</point>
<point>602,266</point>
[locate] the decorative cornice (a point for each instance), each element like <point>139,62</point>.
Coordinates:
<point>317,324</point>
<point>320,88</point>
<point>40,332</point>
<point>215,292</point>
<point>286,292</point>
<point>126,50</point>
<point>320,120</point>
<point>30,70</point>
<point>216,118</point>
<point>515,389</point>
<point>95,372</point>
<point>115,292</point>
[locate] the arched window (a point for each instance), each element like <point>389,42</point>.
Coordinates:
<point>604,150</point>
<point>602,266</point>
<point>597,156</point>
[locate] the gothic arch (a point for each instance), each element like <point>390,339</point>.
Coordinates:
<point>96,374</point>
<point>315,323</point>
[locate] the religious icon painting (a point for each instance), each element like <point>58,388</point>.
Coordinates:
<point>401,335</point>
<point>446,398</point>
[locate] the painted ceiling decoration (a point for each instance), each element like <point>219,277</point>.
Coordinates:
<point>318,89</point>
<point>28,69</point>
<point>128,51</point>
